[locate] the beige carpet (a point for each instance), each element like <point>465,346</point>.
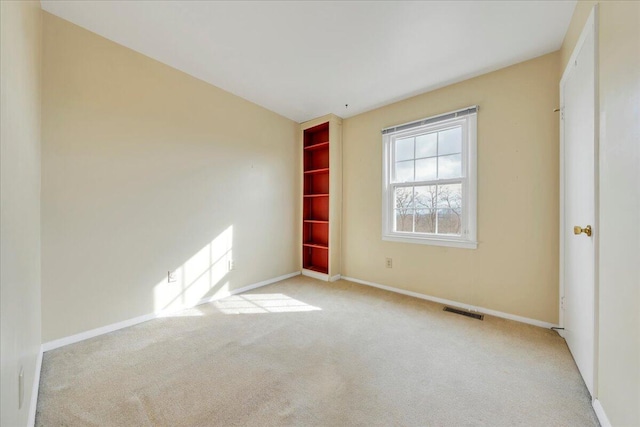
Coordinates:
<point>302,352</point>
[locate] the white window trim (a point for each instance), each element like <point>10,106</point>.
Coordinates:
<point>468,239</point>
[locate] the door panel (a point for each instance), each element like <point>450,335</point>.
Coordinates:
<point>579,207</point>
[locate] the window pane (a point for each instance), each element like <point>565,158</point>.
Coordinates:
<point>404,220</point>
<point>450,141</point>
<point>450,196</point>
<point>404,149</point>
<point>403,198</point>
<point>427,145</point>
<point>448,221</point>
<point>425,221</point>
<point>404,171</point>
<point>425,196</point>
<point>450,166</point>
<point>403,209</point>
<point>426,169</point>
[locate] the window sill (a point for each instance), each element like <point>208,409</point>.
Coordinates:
<point>433,241</point>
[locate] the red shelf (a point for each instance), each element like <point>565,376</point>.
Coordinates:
<point>317,146</point>
<point>318,269</point>
<point>315,252</point>
<point>316,208</point>
<point>315,245</point>
<point>314,171</point>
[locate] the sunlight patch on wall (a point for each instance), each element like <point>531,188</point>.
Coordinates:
<point>262,303</point>
<point>198,278</point>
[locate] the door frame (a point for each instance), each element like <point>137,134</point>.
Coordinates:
<point>590,25</point>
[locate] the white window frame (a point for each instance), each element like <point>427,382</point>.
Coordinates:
<point>468,237</point>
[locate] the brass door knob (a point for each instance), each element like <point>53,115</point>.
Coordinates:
<point>577,230</point>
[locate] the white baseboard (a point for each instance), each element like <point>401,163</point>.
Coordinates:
<point>443,301</point>
<point>335,278</point>
<point>61,342</point>
<point>136,320</point>
<point>602,417</point>
<point>315,275</point>
<point>35,388</point>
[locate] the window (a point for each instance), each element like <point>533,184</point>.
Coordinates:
<point>429,188</point>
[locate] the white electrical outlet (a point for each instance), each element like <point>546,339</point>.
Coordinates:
<point>389,263</point>
<point>232,264</point>
<point>171,277</point>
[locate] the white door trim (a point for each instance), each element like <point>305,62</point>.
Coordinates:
<point>590,25</point>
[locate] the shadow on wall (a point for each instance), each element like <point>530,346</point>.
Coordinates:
<point>205,277</point>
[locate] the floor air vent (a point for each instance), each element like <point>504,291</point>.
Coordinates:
<point>464,313</point>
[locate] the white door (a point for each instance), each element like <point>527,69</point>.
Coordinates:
<point>578,112</point>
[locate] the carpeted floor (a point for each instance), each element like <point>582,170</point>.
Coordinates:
<point>307,353</point>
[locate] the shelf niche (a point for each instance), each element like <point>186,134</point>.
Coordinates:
<point>322,174</point>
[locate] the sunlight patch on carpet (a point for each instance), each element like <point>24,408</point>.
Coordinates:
<point>262,303</point>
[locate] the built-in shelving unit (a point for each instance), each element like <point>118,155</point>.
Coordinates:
<point>322,174</point>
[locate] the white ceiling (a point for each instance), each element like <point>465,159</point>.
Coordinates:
<point>306,59</point>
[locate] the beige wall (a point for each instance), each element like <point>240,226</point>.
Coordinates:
<point>21,30</point>
<point>618,387</point>
<point>146,169</point>
<point>515,268</point>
